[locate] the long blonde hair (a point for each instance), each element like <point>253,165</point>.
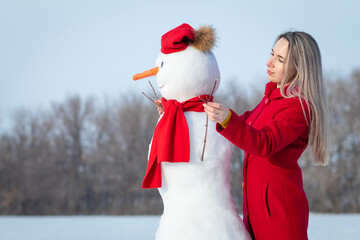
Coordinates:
<point>303,74</point>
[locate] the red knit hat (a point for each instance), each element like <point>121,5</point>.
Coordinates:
<point>177,39</point>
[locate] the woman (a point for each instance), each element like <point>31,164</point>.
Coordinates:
<point>290,117</point>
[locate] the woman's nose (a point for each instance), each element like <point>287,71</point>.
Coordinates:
<point>269,62</point>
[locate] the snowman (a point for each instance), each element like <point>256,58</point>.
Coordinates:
<point>193,180</point>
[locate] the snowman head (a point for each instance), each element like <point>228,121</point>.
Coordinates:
<point>186,66</point>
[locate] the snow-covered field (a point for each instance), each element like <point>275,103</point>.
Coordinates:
<point>321,226</point>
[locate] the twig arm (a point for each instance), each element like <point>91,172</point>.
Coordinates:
<point>207,120</point>
<point>149,98</point>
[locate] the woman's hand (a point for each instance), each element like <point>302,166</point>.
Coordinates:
<point>159,107</point>
<point>216,112</point>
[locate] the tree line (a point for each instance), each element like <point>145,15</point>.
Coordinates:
<point>85,156</point>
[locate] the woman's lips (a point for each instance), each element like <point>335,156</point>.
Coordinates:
<point>270,72</point>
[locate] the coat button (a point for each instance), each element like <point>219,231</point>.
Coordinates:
<point>243,184</point>
<point>250,123</point>
<point>267,101</point>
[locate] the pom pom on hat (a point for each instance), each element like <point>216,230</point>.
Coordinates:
<point>177,39</point>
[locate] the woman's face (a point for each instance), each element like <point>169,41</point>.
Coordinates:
<point>276,62</point>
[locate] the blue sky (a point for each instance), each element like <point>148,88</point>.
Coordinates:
<point>50,49</point>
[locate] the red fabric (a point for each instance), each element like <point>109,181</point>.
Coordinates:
<point>273,136</point>
<point>171,141</point>
<point>177,39</point>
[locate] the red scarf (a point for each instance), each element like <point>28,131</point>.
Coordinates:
<point>171,141</point>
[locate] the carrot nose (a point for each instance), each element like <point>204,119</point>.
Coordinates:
<point>148,73</point>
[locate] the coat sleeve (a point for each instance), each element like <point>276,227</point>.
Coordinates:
<point>284,128</point>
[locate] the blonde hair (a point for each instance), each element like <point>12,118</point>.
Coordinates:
<point>303,74</point>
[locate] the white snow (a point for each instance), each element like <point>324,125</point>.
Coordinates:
<point>321,227</point>
<point>78,227</point>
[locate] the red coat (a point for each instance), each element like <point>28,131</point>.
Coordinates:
<point>273,136</point>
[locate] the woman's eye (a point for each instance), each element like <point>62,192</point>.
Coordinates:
<point>162,64</point>
<point>280,60</point>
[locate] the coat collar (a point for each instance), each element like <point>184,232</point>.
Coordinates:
<point>272,91</point>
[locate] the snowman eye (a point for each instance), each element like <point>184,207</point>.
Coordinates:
<point>162,64</point>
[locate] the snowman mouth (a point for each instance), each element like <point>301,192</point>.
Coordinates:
<point>162,86</point>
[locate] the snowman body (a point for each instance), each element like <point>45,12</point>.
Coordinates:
<point>196,194</point>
